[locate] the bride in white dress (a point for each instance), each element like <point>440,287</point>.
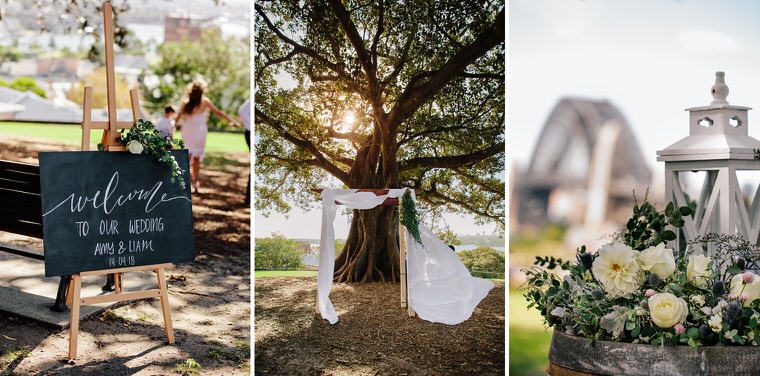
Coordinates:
<point>194,109</point>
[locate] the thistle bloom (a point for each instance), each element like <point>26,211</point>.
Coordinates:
<point>658,260</point>
<point>616,268</point>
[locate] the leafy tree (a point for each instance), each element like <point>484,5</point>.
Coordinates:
<point>25,84</point>
<point>484,262</point>
<point>10,53</point>
<point>381,94</point>
<point>277,252</point>
<point>223,62</point>
<point>97,80</point>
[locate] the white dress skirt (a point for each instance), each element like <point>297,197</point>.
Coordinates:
<point>194,131</point>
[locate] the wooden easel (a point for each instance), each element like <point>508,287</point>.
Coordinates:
<point>110,134</point>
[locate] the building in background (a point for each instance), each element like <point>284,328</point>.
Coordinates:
<point>184,26</point>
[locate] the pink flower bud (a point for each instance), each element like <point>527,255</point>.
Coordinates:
<point>744,296</point>
<point>748,277</point>
<point>733,295</point>
<point>649,293</point>
<point>680,329</point>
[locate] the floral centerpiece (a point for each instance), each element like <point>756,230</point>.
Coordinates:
<point>639,289</point>
<point>143,138</point>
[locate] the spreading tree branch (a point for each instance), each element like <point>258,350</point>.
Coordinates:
<point>451,161</point>
<point>415,95</point>
<point>309,147</point>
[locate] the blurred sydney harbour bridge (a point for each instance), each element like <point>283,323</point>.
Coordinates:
<point>584,169</point>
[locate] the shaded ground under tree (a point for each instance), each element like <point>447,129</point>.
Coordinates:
<point>374,335</point>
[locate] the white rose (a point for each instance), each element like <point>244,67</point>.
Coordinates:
<point>667,310</point>
<point>616,268</point>
<point>716,323</point>
<point>698,270</point>
<point>134,147</point>
<point>698,300</point>
<point>658,260</point>
<point>751,289</point>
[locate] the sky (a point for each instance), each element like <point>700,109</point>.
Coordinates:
<point>652,59</point>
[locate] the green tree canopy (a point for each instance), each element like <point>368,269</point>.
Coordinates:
<point>25,84</point>
<point>277,253</point>
<point>223,62</point>
<point>484,262</point>
<point>381,94</point>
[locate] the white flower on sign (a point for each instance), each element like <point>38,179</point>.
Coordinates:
<point>134,147</point>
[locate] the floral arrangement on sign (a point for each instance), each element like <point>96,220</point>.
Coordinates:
<point>636,289</point>
<point>143,138</point>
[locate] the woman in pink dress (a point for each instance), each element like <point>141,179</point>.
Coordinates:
<point>194,109</point>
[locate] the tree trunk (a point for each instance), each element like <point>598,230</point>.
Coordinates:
<point>371,250</point>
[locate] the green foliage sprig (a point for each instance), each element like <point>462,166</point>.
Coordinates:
<point>648,227</point>
<point>409,217</point>
<point>143,138</point>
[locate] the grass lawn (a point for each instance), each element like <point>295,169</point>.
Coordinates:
<point>528,339</point>
<point>284,273</point>
<point>217,142</point>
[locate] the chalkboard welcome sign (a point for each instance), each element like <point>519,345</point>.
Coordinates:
<point>109,210</point>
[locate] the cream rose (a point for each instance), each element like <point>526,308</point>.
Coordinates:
<point>616,268</point>
<point>134,147</point>
<point>698,270</point>
<point>667,310</point>
<point>658,260</point>
<point>752,289</point>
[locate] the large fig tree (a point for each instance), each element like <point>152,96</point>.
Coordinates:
<point>380,94</point>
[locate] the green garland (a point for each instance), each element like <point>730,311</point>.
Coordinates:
<point>143,138</point>
<point>409,217</point>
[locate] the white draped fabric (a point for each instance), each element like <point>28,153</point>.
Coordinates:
<point>441,288</point>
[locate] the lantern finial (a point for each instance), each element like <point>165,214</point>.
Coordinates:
<point>719,89</point>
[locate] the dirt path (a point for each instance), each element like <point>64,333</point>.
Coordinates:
<point>374,335</point>
<point>210,298</point>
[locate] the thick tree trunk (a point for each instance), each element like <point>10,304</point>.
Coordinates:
<point>371,250</point>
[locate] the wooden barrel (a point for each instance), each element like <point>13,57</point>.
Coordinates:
<point>576,356</point>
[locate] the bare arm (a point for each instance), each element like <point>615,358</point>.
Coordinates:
<point>179,115</point>
<point>221,114</point>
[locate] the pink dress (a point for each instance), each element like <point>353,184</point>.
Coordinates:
<point>194,130</point>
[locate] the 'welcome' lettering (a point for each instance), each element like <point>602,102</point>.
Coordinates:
<point>103,199</point>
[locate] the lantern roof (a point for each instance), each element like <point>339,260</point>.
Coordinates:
<point>716,131</point>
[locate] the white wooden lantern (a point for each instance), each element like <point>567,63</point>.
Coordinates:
<point>718,146</point>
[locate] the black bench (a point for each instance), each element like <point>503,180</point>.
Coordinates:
<point>21,203</point>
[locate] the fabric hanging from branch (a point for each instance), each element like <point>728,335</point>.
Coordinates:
<point>441,288</point>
